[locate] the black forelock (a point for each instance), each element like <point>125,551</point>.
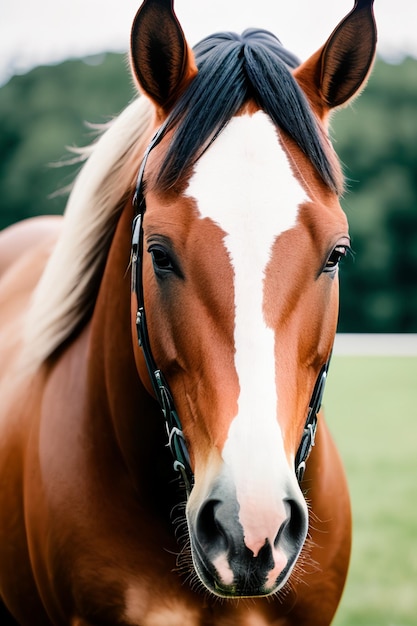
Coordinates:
<point>232,70</point>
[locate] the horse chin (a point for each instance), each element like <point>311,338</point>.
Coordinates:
<point>245,584</point>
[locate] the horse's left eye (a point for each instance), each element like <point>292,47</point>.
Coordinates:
<point>161,260</point>
<point>333,261</point>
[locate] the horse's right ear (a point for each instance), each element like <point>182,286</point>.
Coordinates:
<point>162,61</point>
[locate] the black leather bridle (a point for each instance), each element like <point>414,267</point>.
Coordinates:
<point>176,440</point>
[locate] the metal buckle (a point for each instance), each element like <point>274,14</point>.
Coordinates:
<point>300,471</point>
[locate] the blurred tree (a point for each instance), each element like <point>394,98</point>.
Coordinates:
<point>376,137</point>
<point>42,113</point>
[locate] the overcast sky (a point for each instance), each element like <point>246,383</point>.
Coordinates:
<point>34,32</point>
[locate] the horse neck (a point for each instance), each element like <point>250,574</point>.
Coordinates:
<point>129,416</point>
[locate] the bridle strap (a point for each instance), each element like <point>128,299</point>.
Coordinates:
<point>176,440</point>
<point>309,433</point>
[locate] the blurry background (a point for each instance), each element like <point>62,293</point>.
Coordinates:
<point>371,401</point>
<point>43,109</point>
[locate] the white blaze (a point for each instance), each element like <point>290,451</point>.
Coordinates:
<point>244,183</point>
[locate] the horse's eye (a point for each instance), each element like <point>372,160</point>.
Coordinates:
<point>161,260</point>
<point>333,261</point>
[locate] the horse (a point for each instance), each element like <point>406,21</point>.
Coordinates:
<point>165,344</point>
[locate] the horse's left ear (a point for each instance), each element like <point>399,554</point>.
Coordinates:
<point>161,59</point>
<point>338,71</point>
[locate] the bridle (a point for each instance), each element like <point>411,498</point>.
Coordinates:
<point>175,435</point>
<point>310,427</point>
<point>176,441</point>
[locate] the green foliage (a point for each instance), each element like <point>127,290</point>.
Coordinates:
<point>370,406</point>
<point>41,114</point>
<point>44,111</point>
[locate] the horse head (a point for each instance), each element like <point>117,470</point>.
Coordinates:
<point>238,255</point>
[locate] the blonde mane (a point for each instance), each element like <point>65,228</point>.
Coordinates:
<point>66,291</point>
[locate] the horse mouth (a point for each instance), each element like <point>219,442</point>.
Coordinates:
<point>247,576</point>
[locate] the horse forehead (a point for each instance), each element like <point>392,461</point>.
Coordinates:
<point>245,183</point>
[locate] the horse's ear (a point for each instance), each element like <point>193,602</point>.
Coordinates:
<point>161,59</point>
<point>339,70</point>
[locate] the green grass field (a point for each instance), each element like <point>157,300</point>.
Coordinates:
<point>371,407</point>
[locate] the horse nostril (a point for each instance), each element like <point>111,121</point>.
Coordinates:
<point>294,530</point>
<point>210,531</point>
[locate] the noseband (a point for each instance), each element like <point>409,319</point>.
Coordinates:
<point>175,435</point>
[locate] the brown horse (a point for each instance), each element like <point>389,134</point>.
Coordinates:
<point>237,236</point>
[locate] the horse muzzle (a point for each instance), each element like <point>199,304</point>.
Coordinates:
<point>237,561</point>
